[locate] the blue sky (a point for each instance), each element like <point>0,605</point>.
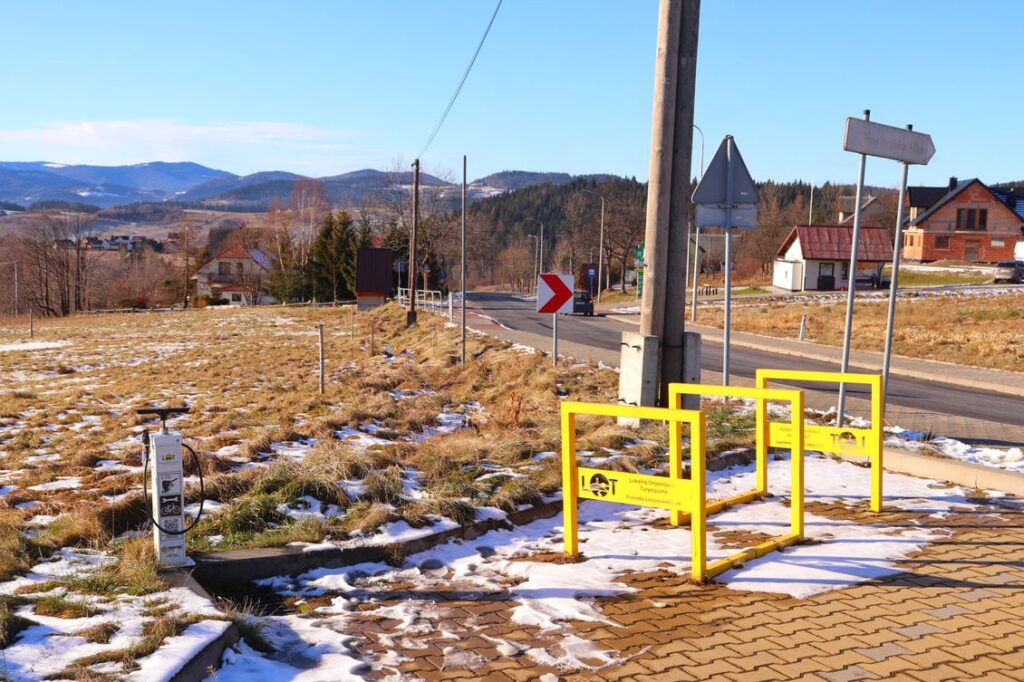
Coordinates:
<point>327,87</point>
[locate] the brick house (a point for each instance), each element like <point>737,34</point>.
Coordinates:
<point>963,221</point>
<point>817,257</point>
<point>233,275</point>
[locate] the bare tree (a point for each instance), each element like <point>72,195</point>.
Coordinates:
<point>624,229</point>
<point>309,203</point>
<point>58,276</point>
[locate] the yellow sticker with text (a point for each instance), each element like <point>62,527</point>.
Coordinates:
<point>820,438</point>
<point>639,489</point>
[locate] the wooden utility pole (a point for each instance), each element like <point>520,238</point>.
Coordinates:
<point>668,194</point>
<point>320,335</point>
<point>410,316</point>
<point>184,298</point>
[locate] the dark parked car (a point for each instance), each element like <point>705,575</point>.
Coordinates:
<point>1008,271</point>
<point>582,303</point>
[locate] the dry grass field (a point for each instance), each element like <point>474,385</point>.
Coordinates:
<point>974,330</point>
<point>403,433</point>
<point>405,440</point>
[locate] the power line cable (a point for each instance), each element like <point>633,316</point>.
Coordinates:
<point>462,82</point>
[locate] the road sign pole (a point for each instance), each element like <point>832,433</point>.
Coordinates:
<point>600,256</point>
<point>727,320</point>
<point>462,276</point>
<point>410,315</point>
<point>554,339</point>
<point>897,248</point>
<point>851,284</point>
<point>696,269</point>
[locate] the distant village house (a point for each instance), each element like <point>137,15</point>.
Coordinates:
<point>817,257</point>
<point>236,275</point>
<point>963,221</point>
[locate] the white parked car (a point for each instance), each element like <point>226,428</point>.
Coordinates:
<point>1008,271</point>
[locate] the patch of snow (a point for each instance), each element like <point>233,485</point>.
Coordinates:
<point>65,483</point>
<point>32,345</point>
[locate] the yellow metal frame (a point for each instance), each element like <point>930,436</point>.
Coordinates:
<point>688,493</point>
<point>761,396</point>
<point>685,498</point>
<point>832,439</point>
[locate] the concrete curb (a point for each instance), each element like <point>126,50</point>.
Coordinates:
<point>198,668</point>
<point>966,474</point>
<point>221,571</point>
<point>771,345</point>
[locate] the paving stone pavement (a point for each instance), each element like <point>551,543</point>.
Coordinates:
<point>955,612</point>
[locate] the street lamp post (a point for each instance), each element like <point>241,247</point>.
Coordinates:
<point>600,247</point>
<point>696,237</point>
<point>536,263</point>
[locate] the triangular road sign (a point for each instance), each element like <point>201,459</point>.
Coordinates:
<point>712,188</point>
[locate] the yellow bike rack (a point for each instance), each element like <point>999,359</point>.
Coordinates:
<point>831,439</point>
<point>761,396</point>
<point>685,498</point>
<point>672,492</point>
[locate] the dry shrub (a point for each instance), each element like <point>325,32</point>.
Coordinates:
<point>290,482</point>
<point>129,513</point>
<point>16,552</point>
<point>337,461</point>
<point>549,476</point>
<point>366,517</point>
<point>515,492</point>
<point>75,530</point>
<point>384,486</point>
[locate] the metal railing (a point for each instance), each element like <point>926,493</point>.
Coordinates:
<point>425,298</point>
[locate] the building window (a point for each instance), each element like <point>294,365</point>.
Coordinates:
<point>998,244</point>
<point>223,268</point>
<point>971,219</point>
<point>908,240</point>
<point>942,242</point>
<point>846,271</point>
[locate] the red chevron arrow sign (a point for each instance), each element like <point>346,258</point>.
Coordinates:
<point>554,293</point>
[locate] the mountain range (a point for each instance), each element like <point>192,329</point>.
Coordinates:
<point>28,183</point>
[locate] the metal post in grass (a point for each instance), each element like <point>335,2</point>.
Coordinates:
<point>320,333</point>
<point>803,326</point>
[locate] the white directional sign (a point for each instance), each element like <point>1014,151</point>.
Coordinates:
<point>726,195</point>
<point>554,293</point>
<point>887,142</point>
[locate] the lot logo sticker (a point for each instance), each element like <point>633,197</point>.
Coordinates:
<point>600,485</point>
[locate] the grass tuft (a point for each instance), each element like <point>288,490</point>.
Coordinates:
<point>57,606</point>
<point>515,492</point>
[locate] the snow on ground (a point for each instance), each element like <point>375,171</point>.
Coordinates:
<point>50,644</point>
<point>1011,459</point>
<point>616,540</point>
<point>31,345</point>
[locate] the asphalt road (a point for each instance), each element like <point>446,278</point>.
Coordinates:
<point>598,332</point>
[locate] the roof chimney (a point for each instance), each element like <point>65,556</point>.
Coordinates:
<point>952,183</point>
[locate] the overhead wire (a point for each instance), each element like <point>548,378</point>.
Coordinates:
<point>462,82</point>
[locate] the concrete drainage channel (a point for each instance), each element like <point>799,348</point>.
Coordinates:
<point>229,575</point>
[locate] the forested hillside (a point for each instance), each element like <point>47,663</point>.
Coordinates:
<point>503,226</point>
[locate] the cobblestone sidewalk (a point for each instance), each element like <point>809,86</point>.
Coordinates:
<point>956,612</point>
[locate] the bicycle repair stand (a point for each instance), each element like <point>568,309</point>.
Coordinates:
<point>163,451</point>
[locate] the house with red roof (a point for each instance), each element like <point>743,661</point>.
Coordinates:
<point>817,257</point>
<point>237,275</point>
